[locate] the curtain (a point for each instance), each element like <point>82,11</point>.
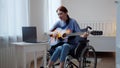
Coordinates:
<point>13,15</point>
<point>50,7</point>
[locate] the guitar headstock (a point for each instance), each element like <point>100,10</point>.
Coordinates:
<point>95,32</point>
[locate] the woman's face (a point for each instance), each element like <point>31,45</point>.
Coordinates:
<point>62,15</point>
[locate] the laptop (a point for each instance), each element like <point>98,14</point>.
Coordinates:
<point>29,34</point>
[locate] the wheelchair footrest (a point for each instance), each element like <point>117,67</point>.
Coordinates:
<point>57,64</point>
<point>88,62</point>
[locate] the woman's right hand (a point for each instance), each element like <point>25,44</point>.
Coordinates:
<point>55,34</point>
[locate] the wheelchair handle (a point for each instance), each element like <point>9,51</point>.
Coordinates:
<point>88,27</point>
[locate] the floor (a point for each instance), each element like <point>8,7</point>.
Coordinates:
<point>107,60</point>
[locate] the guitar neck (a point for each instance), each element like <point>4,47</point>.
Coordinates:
<point>90,32</point>
<point>74,34</point>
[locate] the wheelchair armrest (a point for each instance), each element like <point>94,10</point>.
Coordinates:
<point>84,41</point>
<point>80,47</point>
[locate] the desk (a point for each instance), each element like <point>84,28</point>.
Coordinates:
<point>23,48</point>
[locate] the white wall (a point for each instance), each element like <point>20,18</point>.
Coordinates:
<point>118,36</point>
<point>118,24</point>
<point>91,10</point>
<point>36,12</point>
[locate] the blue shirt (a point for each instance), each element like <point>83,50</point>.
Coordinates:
<point>73,26</point>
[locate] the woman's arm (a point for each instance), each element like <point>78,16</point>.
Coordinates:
<point>77,29</point>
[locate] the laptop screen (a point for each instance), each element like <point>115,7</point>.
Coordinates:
<point>29,34</point>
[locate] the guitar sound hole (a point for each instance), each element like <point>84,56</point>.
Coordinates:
<point>64,35</point>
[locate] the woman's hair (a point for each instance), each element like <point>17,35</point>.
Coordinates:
<point>63,9</point>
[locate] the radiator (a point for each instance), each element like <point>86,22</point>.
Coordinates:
<point>7,57</point>
<point>108,28</point>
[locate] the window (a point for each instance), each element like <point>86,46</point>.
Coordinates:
<point>13,15</point>
<point>50,15</point>
<point>52,6</point>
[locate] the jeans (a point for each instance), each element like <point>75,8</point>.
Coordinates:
<point>61,52</point>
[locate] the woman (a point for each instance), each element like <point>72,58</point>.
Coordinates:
<point>65,23</point>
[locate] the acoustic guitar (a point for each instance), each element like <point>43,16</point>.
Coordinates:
<point>64,34</point>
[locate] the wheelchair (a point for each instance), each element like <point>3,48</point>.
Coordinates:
<point>84,55</point>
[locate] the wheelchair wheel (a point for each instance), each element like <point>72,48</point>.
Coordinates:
<point>69,66</point>
<point>68,63</point>
<point>88,58</point>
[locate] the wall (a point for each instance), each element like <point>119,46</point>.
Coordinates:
<point>118,36</point>
<point>37,12</point>
<point>118,24</point>
<point>91,10</point>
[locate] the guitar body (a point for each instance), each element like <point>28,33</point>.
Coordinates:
<point>59,36</point>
